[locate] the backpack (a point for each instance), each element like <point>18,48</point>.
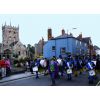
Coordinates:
<point>52,68</point>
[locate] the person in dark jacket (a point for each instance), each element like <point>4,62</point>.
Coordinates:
<point>31,63</point>
<point>52,70</point>
<point>36,67</point>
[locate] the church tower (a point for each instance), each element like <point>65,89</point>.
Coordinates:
<point>10,34</point>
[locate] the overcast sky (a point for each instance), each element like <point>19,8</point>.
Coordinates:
<point>32,27</point>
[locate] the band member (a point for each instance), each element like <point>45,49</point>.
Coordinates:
<point>80,65</point>
<point>69,67</point>
<point>44,65</point>
<point>35,69</point>
<point>52,71</point>
<point>75,60</point>
<point>91,66</point>
<point>60,65</point>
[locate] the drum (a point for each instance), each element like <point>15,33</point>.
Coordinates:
<point>35,69</point>
<point>91,72</point>
<point>42,63</point>
<point>59,62</point>
<point>69,71</point>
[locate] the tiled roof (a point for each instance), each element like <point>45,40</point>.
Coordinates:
<point>96,47</point>
<point>87,39</point>
<point>62,36</point>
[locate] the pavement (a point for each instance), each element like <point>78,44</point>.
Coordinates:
<point>28,79</point>
<point>17,76</point>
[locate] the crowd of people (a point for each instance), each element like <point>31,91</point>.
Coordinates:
<point>58,67</point>
<point>67,66</point>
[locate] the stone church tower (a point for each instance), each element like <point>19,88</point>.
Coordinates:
<point>11,43</point>
<point>10,34</point>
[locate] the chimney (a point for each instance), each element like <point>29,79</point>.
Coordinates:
<point>63,32</point>
<point>80,36</point>
<point>49,33</point>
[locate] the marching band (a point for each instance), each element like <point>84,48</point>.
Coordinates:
<point>69,66</point>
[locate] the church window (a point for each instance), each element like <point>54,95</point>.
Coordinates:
<point>9,31</point>
<point>18,52</point>
<point>14,32</point>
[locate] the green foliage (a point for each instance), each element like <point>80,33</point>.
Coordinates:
<point>26,59</point>
<point>21,60</point>
<point>16,61</point>
<point>31,49</point>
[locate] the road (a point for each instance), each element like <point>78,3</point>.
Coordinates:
<point>81,80</point>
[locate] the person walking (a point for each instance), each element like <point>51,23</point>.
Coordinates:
<point>35,68</point>
<point>52,71</point>
<point>27,66</point>
<point>75,66</point>
<point>69,67</point>
<point>60,65</point>
<point>31,66</point>
<point>91,70</point>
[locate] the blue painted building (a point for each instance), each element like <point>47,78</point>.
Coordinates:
<point>64,44</point>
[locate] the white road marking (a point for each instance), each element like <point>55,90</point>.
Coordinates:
<point>98,84</point>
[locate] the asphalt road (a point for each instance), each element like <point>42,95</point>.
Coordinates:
<point>81,80</point>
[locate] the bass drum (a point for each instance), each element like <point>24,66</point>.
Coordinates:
<point>69,71</point>
<point>43,63</point>
<point>35,69</point>
<point>59,62</point>
<point>91,72</point>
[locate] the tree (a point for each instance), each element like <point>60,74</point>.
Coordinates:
<point>31,50</point>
